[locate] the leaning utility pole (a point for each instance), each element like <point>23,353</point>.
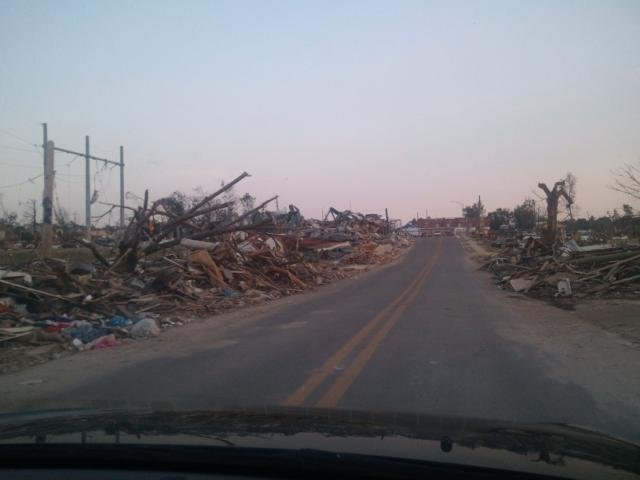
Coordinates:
<point>122,188</point>
<point>47,198</point>
<point>87,187</point>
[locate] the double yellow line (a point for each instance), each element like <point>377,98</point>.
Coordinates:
<point>391,313</point>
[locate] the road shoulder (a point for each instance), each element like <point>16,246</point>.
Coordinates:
<point>595,345</point>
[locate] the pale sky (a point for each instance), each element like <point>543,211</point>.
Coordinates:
<point>399,104</point>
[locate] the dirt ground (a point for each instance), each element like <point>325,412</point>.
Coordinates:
<point>621,317</point>
<point>13,258</point>
<point>613,316</point>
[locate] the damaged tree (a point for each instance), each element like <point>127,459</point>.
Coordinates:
<point>553,197</point>
<point>627,181</point>
<point>144,236</point>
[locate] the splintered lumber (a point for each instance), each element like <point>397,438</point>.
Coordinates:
<point>217,230</point>
<point>96,252</point>
<point>119,259</point>
<point>195,210</point>
<point>202,257</point>
<point>188,242</point>
<point>225,227</point>
<point>34,290</point>
<point>182,267</point>
<point>601,258</point>
<point>283,271</point>
<point>178,220</point>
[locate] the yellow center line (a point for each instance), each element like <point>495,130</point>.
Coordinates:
<point>344,381</point>
<point>314,380</point>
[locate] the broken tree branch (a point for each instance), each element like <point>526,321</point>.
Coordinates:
<point>95,251</point>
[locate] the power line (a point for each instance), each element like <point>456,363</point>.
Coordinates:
<point>20,166</point>
<point>73,159</point>
<point>28,180</point>
<point>7,132</point>
<point>68,181</point>
<point>8,147</point>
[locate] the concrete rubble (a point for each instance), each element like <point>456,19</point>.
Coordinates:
<point>172,265</point>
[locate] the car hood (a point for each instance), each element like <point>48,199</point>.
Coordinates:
<point>552,449</point>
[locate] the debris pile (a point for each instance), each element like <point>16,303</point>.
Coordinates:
<point>175,263</point>
<point>573,272</point>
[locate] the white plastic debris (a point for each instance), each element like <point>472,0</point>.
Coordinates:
<point>147,327</point>
<point>564,287</point>
<point>521,284</point>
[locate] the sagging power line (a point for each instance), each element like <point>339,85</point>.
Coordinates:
<point>28,180</point>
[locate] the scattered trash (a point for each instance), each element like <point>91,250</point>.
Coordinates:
<point>104,342</point>
<point>521,284</point>
<point>147,327</point>
<point>84,331</point>
<point>19,277</point>
<point>564,287</point>
<point>191,261</point>
<point>118,321</point>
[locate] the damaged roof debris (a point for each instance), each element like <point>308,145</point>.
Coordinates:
<point>570,271</point>
<point>174,263</point>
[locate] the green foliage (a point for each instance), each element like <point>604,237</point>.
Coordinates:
<point>474,211</point>
<point>607,226</point>
<point>525,215</point>
<point>499,217</point>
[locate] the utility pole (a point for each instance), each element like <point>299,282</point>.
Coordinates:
<point>45,139</point>
<point>87,158</point>
<point>122,187</point>
<point>47,199</point>
<point>87,187</point>
<point>386,214</point>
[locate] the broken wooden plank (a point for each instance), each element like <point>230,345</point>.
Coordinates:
<point>34,290</point>
<point>199,244</point>
<point>202,257</point>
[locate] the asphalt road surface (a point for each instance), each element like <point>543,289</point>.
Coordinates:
<point>426,334</point>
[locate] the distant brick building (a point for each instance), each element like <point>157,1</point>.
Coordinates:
<point>445,226</point>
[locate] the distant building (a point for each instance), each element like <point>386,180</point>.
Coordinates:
<point>445,226</point>
<point>442,226</point>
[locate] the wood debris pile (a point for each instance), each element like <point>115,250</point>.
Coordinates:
<point>191,262</point>
<point>578,274</point>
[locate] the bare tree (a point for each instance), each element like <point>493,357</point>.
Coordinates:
<point>30,214</point>
<point>569,206</point>
<point>248,202</point>
<point>627,180</point>
<point>553,197</point>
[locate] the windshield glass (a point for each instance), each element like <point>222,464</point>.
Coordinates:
<point>388,207</point>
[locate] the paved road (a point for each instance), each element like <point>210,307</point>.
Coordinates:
<point>421,336</point>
